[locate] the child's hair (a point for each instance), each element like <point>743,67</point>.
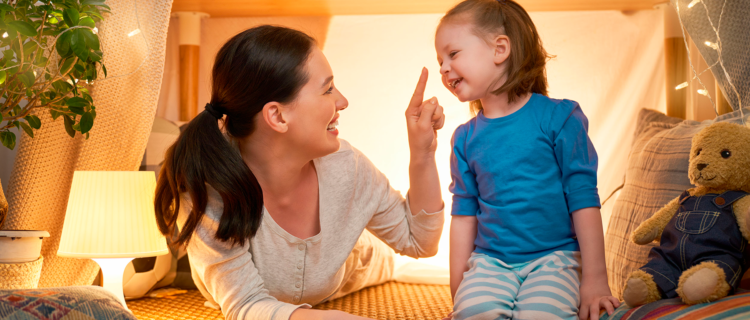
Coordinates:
<point>527,56</point>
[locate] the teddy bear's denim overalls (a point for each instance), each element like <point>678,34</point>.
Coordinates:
<point>703,229</point>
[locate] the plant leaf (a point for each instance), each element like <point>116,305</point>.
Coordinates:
<point>6,7</point>
<point>63,43</point>
<point>92,2</point>
<point>54,114</point>
<point>88,22</point>
<point>105,70</point>
<point>2,79</point>
<point>92,40</point>
<point>87,121</point>
<point>69,126</point>
<point>23,27</point>
<point>34,121</point>
<point>71,17</point>
<point>67,64</point>
<point>26,128</point>
<point>27,78</point>
<point>9,139</point>
<point>78,44</point>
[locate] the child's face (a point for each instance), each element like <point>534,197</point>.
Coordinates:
<point>469,65</point>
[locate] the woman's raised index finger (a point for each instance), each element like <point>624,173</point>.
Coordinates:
<point>416,98</point>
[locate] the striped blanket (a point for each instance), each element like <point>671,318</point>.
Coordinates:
<point>732,307</point>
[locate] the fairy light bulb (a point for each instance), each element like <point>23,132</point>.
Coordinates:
<point>693,3</point>
<point>134,32</point>
<point>711,45</point>
<point>681,86</point>
<point>5,34</point>
<point>703,92</point>
<point>95,30</point>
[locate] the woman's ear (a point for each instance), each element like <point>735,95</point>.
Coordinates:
<point>272,115</point>
<point>502,49</point>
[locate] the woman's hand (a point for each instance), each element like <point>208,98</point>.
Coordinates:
<point>423,119</point>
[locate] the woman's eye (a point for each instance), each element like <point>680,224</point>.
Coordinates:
<point>726,154</point>
<point>330,90</point>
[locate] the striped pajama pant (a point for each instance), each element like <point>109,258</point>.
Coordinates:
<point>545,288</point>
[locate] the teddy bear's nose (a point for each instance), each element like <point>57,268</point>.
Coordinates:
<point>701,166</point>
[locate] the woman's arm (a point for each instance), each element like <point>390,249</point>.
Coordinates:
<point>595,292</point>
<point>423,119</point>
<point>463,233</point>
<point>310,314</point>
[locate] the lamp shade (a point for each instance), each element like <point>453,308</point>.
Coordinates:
<point>111,215</point>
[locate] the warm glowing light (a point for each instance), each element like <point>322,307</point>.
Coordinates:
<point>703,92</point>
<point>134,32</point>
<point>5,34</point>
<point>95,30</point>
<point>711,45</point>
<point>693,3</point>
<point>681,86</point>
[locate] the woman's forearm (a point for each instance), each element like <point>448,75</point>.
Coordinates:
<point>424,184</point>
<point>463,233</point>
<point>588,227</point>
<point>311,314</point>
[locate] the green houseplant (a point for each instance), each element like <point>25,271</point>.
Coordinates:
<point>50,57</point>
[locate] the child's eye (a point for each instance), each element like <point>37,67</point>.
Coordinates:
<point>452,54</point>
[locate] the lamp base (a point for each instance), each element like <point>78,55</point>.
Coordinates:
<point>112,270</point>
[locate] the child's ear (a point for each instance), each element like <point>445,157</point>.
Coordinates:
<point>502,49</point>
<point>273,117</point>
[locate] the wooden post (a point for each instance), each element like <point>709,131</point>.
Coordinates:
<point>676,63</point>
<point>190,38</point>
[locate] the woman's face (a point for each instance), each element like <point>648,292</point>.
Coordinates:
<point>313,115</point>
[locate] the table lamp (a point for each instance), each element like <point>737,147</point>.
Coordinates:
<point>110,219</point>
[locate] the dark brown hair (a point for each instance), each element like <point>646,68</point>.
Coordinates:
<point>257,66</point>
<point>527,59</point>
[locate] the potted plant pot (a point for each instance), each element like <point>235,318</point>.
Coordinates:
<point>20,259</point>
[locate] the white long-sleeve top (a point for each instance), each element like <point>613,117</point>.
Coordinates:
<point>275,272</point>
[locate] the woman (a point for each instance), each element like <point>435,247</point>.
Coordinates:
<point>281,215</point>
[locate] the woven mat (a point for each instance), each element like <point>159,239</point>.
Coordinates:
<point>389,301</point>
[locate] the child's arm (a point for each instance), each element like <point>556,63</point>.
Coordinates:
<point>595,292</point>
<point>463,233</point>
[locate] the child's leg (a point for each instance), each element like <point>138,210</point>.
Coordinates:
<point>488,290</point>
<point>551,287</point>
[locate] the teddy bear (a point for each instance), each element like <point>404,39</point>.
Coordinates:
<point>703,233</point>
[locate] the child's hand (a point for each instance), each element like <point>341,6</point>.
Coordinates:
<point>595,295</point>
<point>423,119</point>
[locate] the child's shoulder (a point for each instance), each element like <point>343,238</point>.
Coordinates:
<point>552,105</point>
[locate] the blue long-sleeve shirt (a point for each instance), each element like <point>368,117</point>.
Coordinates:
<point>522,176</point>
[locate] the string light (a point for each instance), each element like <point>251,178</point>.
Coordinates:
<point>95,30</point>
<point>681,86</point>
<point>692,4</point>
<point>5,34</point>
<point>703,92</point>
<point>134,32</point>
<point>711,45</point>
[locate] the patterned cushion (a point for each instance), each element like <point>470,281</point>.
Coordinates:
<point>656,173</point>
<point>66,303</point>
<point>731,307</point>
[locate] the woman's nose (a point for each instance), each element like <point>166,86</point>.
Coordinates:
<point>342,103</point>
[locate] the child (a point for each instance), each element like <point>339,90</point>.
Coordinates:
<point>522,169</point>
